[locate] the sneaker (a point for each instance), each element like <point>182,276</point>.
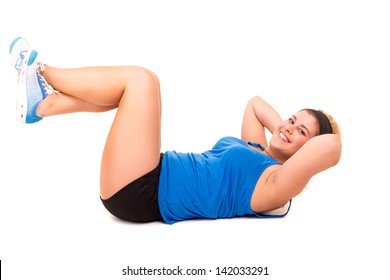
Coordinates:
<point>31,86</point>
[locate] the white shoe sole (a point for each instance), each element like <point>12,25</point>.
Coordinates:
<point>21,94</point>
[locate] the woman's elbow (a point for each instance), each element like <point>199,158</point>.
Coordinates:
<point>336,148</point>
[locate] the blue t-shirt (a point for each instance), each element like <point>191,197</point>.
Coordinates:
<point>215,184</point>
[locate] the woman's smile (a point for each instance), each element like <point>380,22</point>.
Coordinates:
<point>284,137</point>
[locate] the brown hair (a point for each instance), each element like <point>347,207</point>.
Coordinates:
<point>333,123</point>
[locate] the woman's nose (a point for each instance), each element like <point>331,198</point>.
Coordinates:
<point>290,128</point>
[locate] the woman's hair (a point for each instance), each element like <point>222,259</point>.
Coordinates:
<point>333,124</point>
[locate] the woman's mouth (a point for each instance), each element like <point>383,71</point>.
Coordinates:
<point>284,137</point>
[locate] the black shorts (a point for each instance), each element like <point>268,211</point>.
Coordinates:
<point>137,201</point>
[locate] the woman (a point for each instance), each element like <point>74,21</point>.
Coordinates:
<point>238,177</point>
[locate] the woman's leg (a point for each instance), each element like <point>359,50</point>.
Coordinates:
<point>133,144</point>
<point>56,104</point>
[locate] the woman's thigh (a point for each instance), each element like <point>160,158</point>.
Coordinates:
<point>138,201</point>
<point>133,144</point>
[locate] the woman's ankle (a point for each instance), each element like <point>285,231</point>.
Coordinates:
<point>43,106</point>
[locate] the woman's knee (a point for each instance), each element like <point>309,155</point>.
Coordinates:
<point>142,76</point>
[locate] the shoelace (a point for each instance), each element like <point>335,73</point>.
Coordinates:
<point>47,87</point>
<point>20,66</point>
<point>20,60</point>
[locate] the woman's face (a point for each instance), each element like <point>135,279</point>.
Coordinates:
<point>292,134</point>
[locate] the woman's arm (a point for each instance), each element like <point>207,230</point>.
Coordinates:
<point>287,181</point>
<point>258,116</point>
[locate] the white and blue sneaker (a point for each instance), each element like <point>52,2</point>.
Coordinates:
<point>31,86</point>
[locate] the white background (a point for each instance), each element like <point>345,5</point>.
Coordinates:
<point>211,58</point>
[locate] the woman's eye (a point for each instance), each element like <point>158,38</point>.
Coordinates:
<point>301,132</point>
<point>291,120</point>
